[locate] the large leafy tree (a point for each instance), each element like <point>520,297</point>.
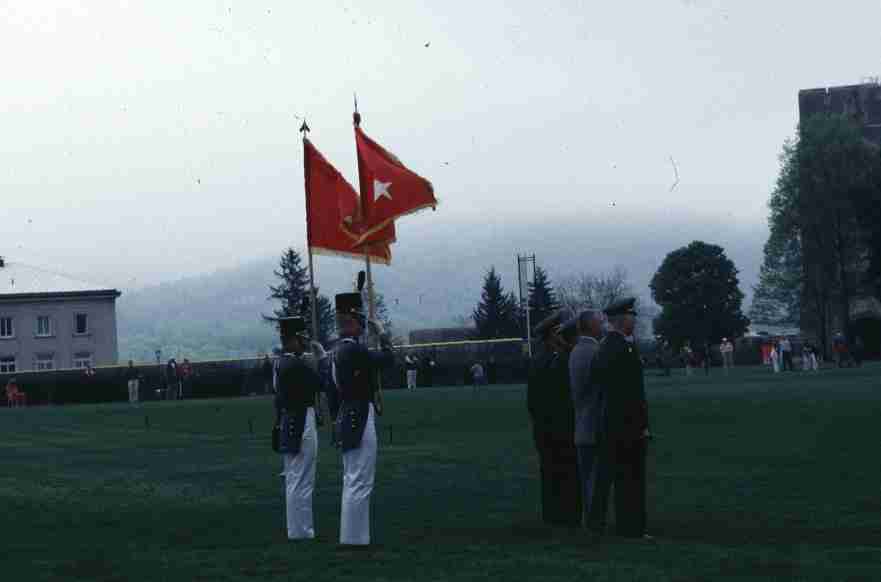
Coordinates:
<point>835,170</point>
<point>697,289</point>
<point>496,315</point>
<point>822,212</point>
<point>542,299</point>
<point>293,295</point>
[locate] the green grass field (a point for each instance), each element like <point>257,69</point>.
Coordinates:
<point>752,477</point>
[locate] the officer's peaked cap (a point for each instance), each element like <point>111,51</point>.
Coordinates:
<point>621,307</point>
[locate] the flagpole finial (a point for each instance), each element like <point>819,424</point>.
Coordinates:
<point>304,129</point>
<point>356,117</point>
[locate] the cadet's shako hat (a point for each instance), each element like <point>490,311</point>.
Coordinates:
<point>291,326</point>
<point>349,304</point>
<point>621,307</point>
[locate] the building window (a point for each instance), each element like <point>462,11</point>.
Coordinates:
<point>81,325</point>
<point>44,326</point>
<point>82,360</point>
<point>6,328</point>
<point>44,362</point>
<point>7,365</point>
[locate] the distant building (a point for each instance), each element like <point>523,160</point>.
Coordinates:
<point>442,334</point>
<point>861,103</point>
<point>50,321</point>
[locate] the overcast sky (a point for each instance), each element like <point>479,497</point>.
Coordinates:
<point>145,141</point>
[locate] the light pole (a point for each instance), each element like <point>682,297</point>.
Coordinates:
<point>523,262</point>
<point>159,368</point>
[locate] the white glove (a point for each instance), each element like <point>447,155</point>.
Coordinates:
<point>318,349</point>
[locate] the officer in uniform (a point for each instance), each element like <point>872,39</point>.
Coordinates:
<point>550,407</point>
<point>617,369</point>
<point>296,403</point>
<point>356,374</point>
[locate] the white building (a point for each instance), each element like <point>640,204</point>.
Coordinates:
<point>49,321</point>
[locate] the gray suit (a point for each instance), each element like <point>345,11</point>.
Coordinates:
<point>590,408</point>
<point>586,396</point>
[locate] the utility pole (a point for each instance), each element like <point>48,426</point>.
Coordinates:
<point>523,263</point>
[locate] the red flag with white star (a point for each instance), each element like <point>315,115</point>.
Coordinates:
<point>329,200</point>
<point>388,188</point>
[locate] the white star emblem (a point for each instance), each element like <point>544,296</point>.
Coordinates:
<point>380,189</point>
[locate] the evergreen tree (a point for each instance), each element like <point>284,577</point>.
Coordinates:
<point>496,314</point>
<point>293,294</point>
<point>542,299</point>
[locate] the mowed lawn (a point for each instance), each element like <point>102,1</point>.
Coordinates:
<point>752,477</point>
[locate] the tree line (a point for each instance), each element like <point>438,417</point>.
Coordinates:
<point>696,287</point>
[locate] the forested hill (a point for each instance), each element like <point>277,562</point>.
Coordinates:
<point>435,280</point>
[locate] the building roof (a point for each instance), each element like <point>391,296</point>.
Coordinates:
<point>18,279</point>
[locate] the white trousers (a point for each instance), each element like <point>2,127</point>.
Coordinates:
<point>299,482</point>
<point>133,390</point>
<point>411,379</point>
<point>359,470</point>
<point>809,362</point>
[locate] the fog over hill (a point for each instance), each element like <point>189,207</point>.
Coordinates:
<point>434,280</point>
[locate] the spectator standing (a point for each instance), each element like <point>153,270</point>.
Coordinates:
<point>707,361</point>
<point>809,358</point>
<point>786,354</point>
<point>133,380</point>
<point>478,376</point>
<point>492,370</point>
<point>14,396</point>
<point>173,381</point>
<point>412,366</point>
<point>775,358</point>
<point>186,377</point>
<point>688,359</point>
<point>727,350</point>
<point>266,374</point>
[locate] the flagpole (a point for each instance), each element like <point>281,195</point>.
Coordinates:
<point>371,297</point>
<point>313,303</point>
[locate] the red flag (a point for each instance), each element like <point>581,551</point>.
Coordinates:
<point>330,200</point>
<point>388,188</point>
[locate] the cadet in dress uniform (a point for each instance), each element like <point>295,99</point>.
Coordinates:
<point>617,369</point>
<point>356,373</point>
<point>550,406</point>
<point>296,405</point>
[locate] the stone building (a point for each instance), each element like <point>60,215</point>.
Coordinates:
<point>50,321</point>
<point>862,103</point>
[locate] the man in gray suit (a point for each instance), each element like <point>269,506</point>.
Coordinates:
<point>589,404</point>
